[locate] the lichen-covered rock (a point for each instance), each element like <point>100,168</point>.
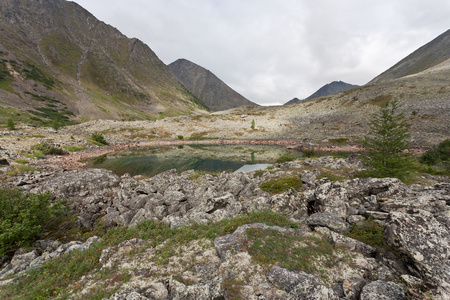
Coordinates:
<point>382,290</point>
<point>352,288</point>
<point>425,242</point>
<point>328,220</point>
<point>345,241</point>
<point>127,294</point>
<point>205,291</point>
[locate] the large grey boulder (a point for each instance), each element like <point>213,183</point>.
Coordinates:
<point>382,290</point>
<point>426,244</point>
<point>328,220</point>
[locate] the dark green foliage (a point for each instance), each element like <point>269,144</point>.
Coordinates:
<point>56,124</point>
<point>180,137</point>
<point>441,153</point>
<point>38,75</point>
<point>281,185</point>
<point>385,144</point>
<point>309,152</point>
<point>253,124</point>
<point>99,138</point>
<point>22,217</point>
<point>4,73</point>
<point>369,232</point>
<point>286,157</point>
<point>10,124</point>
<point>48,149</point>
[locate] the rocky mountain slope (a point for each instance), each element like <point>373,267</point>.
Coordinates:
<point>206,86</point>
<point>59,61</point>
<point>426,57</point>
<point>328,89</point>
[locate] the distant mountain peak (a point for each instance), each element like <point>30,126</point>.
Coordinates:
<point>328,89</point>
<point>206,86</point>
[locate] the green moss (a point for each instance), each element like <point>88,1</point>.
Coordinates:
<point>22,161</point>
<point>296,253</point>
<point>286,157</point>
<point>281,185</point>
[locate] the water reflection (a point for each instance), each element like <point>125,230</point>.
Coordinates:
<point>150,161</point>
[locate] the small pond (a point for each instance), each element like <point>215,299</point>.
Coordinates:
<point>149,161</point>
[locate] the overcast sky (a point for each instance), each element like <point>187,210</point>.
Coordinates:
<point>272,51</point>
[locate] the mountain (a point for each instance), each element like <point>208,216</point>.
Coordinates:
<point>206,86</point>
<point>328,89</point>
<point>295,100</point>
<point>426,57</point>
<point>58,61</point>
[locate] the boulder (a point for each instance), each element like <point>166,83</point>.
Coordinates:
<point>328,220</point>
<point>382,290</point>
<point>426,244</point>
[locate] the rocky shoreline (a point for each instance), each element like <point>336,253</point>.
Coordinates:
<point>415,222</point>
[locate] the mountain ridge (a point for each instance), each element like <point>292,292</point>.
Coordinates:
<point>328,89</point>
<point>425,57</point>
<point>205,85</point>
<point>97,72</point>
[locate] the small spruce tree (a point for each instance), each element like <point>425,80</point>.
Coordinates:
<point>253,124</point>
<point>385,143</point>
<point>10,124</point>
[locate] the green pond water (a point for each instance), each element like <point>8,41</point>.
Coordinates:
<point>150,161</point>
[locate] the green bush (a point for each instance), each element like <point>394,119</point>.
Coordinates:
<point>47,149</point>
<point>99,138</point>
<point>309,152</point>
<point>369,232</point>
<point>286,157</point>
<point>10,124</point>
<point>22,217</point>
<point>281,185</point>
<point>441,153</point>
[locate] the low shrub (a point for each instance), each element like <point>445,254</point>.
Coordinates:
<point>47,149</point>
<point>286,157</point>
<point>10,124</point>
<point>311,152</point>
<point>99,138</point>
<point>441,153</point>
<point>369,232</point>
<point>281,185</point>
<point>22,217</point>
